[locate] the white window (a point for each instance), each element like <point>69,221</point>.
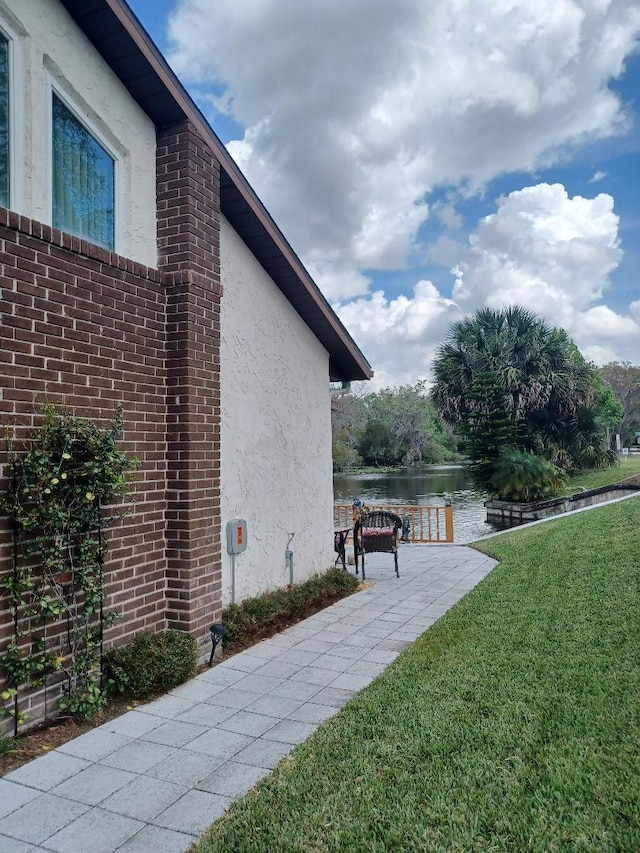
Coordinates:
<point>5,129</point>
<point>83,179</point>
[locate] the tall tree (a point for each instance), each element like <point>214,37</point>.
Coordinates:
<point>507,378</point>
<point>399,424</point>
<point>411,416</point>
<point>623,378</point>
<point>377,444</point>
<point>488,428</point>
<point>528,359</point>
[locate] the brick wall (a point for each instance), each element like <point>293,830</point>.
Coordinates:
<point>189,248</point>
<point>85,329</point>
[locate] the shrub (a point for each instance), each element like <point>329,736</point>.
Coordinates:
<point>64,487</point>
<point>522,476</point>
<point>258,617</point>
<point>7,745</point>
<point>152,663</point>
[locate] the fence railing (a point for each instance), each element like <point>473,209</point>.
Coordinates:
<point>420,523</point>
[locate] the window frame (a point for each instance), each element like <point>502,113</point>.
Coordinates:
<point>80,115</point>
<point>15,113</point>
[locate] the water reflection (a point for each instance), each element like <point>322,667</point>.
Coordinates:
<point>428,485</point>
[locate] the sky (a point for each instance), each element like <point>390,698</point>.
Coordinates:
<point>426,159</point>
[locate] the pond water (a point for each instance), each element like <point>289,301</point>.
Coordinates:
<point>429,485</point>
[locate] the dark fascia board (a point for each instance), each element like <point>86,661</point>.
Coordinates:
<point>159,92</point>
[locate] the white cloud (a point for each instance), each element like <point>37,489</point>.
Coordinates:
<point>541,249</point>
<point>601,322</point>
<point>400,335</point>
<point>355,111</point>
<point>447,213</point>
<point>553,254</point>
<point>597,176</point>
<point>337,282</point>
<point>544,250</point>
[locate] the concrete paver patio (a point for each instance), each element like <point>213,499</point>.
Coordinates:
<point>157,777</point>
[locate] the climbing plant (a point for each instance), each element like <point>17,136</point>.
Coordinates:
<point>64,489</point>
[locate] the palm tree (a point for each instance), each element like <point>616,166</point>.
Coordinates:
<point>527,357</point>
<point>505,377</point>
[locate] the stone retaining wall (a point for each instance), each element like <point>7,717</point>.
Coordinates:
<point>512,513</point>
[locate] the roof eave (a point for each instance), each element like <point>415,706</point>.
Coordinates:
<point>346,361</point>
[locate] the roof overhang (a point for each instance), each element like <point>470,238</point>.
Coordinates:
<point>120,38</point>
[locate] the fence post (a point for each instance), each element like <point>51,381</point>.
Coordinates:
<point>448,522</point>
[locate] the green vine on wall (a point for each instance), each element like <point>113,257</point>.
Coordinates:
<point>64,490</point>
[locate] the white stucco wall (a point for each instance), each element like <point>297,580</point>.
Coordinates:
<point>50,50</point>
<point>276,429</point>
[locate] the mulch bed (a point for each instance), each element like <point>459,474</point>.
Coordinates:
<point>48,736</point>
<point>42,739</point>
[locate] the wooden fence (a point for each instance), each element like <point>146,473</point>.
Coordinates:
<point>420,523</point>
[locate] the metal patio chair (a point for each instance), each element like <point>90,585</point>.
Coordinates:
<point>376,530</point>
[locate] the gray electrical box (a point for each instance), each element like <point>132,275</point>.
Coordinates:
<point>236,536</point>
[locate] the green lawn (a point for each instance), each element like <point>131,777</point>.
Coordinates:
<point>604,476</point>
<point>512,724</point>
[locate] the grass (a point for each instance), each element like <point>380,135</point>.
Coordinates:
<point>7,745</point>
<point>604,476</point>
<point>512,724</point>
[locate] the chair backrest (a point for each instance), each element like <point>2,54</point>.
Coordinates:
<point>376,530</point>
<point>381,518</point>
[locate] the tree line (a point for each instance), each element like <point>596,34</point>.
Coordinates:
<point>624,380</point>
<point>395,426</point>
<point>512,394</point>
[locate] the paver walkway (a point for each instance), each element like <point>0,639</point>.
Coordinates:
<point>154,779</point>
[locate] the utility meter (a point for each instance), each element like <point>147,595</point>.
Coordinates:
<point>236,536</point>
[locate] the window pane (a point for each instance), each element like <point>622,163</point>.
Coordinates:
<point>83,199</point>
<point>4,121</point>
